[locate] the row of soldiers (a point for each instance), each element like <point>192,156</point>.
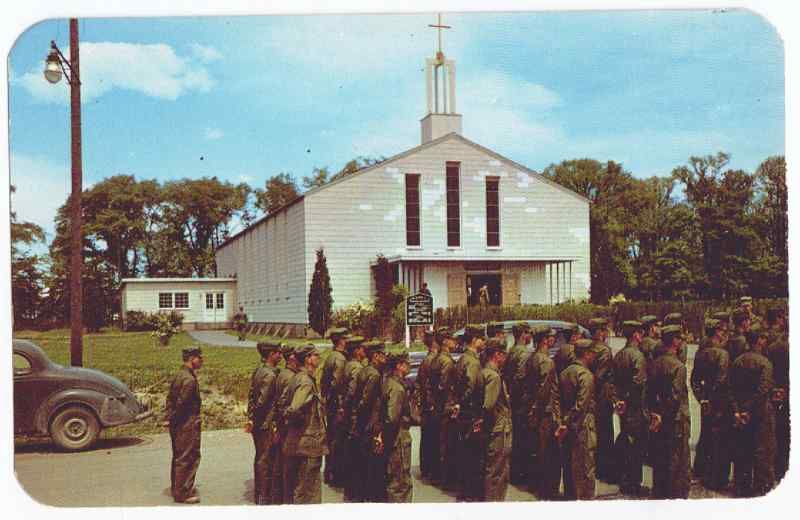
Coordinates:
<point>496,416</point>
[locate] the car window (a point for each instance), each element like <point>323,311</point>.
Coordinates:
<point>21,365</point>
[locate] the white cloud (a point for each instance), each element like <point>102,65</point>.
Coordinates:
<point>151,69</point>
<point>205,53</point>
<point>493,88</point>
<point>42,187</point>
<point>212,134</point>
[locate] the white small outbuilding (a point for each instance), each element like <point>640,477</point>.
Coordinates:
<point>206,303</point>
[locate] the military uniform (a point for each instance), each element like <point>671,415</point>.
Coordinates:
<point>709,381</point>
<point>333,389</point>
<point>497,428</point>
<point>754,458</point>
<point>630,379</point>
<point>396,419</point>
<point>282,381</point>
<point>577,397</point>
<point>442,379</point>
<point>304,445</point>
<point>468,396</point>
<point>367,430</point>
<point>602,369</point>
<point>183,416</point>
<point>544,416</point>
<point>649,344</point>
<point>240,323</point>
<point>514,363</point>
<point>778,354</point>
<point>428,452</point>
<point>737,346</point>
<point>349,460</point>
<point>668,396</point>
<point>260,414</point>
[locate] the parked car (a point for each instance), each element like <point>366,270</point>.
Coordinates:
<point>71,405</point>
<point>415,358</point>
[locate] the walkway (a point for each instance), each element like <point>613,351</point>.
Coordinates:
<point>219,338</point>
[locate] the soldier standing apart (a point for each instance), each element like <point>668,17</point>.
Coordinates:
<point>396,419</point>
<point>442,377</point>
<point>540,383</point>
<point>240,323</point>
<point>603,370</point>
<point>737,344</point>
<point>709,381</point>
<point>467,409</point>
<point>630,378</point>
<point>519,414</point>
<point>422,395</point>
<point>332,387</point>
<point>668,404</point>
<point>496,424</point>
<point>356,358</point>
<point>183,419</point>
<point>260,407</point>
<point>284,378</point>
<point>746,304</point>
<point>778,354</point>
<point>576,389</point>
<point>367,426</point>
<point>305,433</point>
<point>754,420</point>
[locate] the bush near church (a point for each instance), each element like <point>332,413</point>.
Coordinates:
<point>138,321</point>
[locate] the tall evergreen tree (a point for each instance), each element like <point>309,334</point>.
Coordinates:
<point>320,300</point>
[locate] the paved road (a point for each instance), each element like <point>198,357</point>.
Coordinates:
<point>135,472</point>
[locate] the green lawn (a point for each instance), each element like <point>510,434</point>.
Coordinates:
<point>415,346</point>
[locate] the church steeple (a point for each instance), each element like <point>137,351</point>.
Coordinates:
<point>440,80</point>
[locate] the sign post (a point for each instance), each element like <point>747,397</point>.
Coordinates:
<point>419,311</point>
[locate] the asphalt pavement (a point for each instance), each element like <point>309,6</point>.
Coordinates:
<point>135,471</point>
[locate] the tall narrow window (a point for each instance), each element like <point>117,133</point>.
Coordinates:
<point>453,205</point>
<point>412,210</point>
<point>493,211</point>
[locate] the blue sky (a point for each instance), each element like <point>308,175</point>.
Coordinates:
<point>255,96</point>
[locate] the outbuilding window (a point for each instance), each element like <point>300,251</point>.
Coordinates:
<point>165,300</point>
<point>182,300</point>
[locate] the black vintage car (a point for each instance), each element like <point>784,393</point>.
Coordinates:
<point>71,405</point>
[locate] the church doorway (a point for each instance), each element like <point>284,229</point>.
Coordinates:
<point>487,285</point>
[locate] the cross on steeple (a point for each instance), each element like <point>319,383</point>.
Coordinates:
<point>438,26</point>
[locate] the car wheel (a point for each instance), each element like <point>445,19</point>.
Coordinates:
<point>74,428</point>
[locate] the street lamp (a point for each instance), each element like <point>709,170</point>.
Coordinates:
<point>56,65</point>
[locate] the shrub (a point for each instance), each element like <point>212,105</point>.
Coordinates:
<point>397,326</point>
<point>359,317</point>
<point>319,296</point>
<point>457,317</point>
<point>137,321</point>
<point>164,326</point>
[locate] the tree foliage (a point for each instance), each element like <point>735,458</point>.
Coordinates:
<point>278,191</point>
<point>320,301</point>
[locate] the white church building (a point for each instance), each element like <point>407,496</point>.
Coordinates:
<point>449,212</point>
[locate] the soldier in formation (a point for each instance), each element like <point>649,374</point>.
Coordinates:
<point>260,418</point>
<point>778,354</point>
<point>514,362</point>
<point>495,423</point>
<point>333,389</point>
<point>424,394</point>
<point>396,418</point>
<point>183,420</point>
<point>602,369</point>
<point>442,378</point>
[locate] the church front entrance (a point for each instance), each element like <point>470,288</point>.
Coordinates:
<point>484,289</point>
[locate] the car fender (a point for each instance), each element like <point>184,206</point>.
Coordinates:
<point>108,410</point>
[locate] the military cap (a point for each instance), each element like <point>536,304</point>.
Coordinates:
<point>395,358</point>
<point>739,315</point>
<point>597,323</point>
<point>648,321</point>
<point>520,328</point>
<point>541,331</point>
<point>266,348</point>
<point>724,316</point>
<point>670,331</point>
<point>583,345</point>
<point>287,350</point>
<point>571,327</point>
<point>302,352</point>
<point>494,345</point>
<point>474,331</point>
<point>673,318</point>
<point>711,325</point>
<point>337,333</point>
<point>191,351</point>
<point>374,345</point>
<point>443,333</point>
<point>631,326</point>
<point>493,328</point>
<point>745,300</point>
<point>353,342</point>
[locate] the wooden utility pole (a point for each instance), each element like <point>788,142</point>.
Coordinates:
<point>76,220</point>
